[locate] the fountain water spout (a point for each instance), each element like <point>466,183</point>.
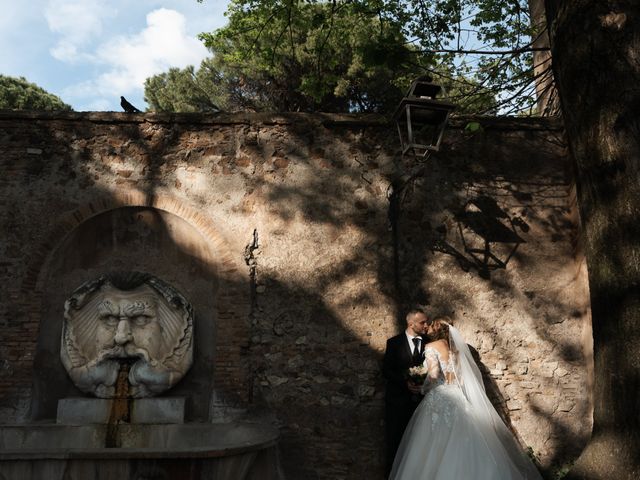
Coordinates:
<point>120,407</point>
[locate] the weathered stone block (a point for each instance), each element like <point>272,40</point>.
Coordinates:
<point>158,410</point>
<point>82,411</point>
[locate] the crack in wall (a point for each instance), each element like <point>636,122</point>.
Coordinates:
<point>252,263</point>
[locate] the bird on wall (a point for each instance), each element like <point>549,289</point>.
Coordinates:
<point>127,107</point>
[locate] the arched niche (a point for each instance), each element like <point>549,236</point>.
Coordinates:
<point>130,238</point>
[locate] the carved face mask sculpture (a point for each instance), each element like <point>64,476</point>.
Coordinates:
<point>148,325</point>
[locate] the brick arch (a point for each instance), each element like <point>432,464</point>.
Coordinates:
<point>131,198</point>
<point>229,367</point>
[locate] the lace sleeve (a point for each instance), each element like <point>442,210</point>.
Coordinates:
<point>432,366</point>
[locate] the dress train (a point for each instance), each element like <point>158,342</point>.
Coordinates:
<point>447,439</point>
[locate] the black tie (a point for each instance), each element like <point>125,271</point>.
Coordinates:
<point>416,351</point>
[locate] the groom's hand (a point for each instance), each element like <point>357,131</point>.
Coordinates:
<point>413,387</point>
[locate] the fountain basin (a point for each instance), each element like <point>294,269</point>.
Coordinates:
<point>238,451</point>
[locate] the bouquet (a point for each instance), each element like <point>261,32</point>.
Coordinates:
<point>418,374</point>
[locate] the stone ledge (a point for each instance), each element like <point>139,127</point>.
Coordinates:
<point>284,118</point>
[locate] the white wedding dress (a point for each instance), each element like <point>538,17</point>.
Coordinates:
<point>455,433</point>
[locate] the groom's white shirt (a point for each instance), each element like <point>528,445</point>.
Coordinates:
<point>410,340</point>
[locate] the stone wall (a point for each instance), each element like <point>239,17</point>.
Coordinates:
<point>284,233</point>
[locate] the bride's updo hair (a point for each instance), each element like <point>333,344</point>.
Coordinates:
<point>440,328</point>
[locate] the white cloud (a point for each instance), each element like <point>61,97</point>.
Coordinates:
<point>131,59</point>
<point>77,49</point>
<point>163,44</point>
<point>77,22</point>
<point>65,51</point>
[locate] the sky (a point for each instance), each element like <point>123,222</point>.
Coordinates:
<point>89,52</point>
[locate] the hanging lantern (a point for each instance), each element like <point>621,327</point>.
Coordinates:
<point>421,119</point>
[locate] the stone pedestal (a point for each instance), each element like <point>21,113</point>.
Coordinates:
<point>83,411</point>
<point>158,410</point>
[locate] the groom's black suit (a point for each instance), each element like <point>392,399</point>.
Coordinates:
<point>400,403</point>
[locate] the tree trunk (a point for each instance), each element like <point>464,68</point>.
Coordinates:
<point>546,93</point>
<point>596,53</point>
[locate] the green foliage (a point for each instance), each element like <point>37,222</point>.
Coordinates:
<point>473,127</point>
<point>312,56</point>
<point>351,55</point>
<point>469,96</point>
<point>19,94</point>
<point>484,40</point>
<point>295,55</point>
<point>361,54</point>
<point>187,90</point>
<point>562,471</point>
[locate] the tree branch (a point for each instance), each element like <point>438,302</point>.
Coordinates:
<point>462,51</point>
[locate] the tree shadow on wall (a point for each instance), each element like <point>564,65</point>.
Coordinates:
<point>487,235</point>
<point>308,366</point>
<point>516,211</point>
<point>313,364</point>
<point>524,195</point>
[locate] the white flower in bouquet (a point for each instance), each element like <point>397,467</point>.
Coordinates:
<point>418,373</point>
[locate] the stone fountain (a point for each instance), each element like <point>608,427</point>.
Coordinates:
<point>126,340</point>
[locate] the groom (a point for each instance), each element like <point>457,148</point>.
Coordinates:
<point>402,396</point>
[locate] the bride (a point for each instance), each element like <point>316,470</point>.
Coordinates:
<point>455,433</point>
